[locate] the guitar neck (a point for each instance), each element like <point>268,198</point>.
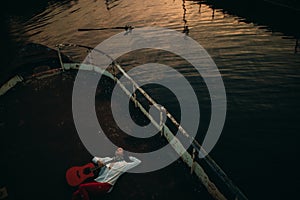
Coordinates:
<point>97,167</point>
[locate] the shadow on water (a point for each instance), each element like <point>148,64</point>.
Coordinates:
<point>278,15</point>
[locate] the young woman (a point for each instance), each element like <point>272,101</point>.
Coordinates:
<point>108,175</point>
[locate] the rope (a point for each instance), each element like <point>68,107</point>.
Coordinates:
<point>126,28</point>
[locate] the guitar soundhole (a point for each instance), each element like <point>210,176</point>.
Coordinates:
<point>87,171</point>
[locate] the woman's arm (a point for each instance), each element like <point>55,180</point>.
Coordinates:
<point>101,161</point>
<point>135,162</point>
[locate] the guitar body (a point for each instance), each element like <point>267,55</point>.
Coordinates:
<point>77,175</point>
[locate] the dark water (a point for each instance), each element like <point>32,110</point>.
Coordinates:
<point>258,148</point>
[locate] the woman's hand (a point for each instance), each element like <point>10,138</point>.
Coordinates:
<point>100,163</point>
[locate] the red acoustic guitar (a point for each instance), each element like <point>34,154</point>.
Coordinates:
<point>77,175</point>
